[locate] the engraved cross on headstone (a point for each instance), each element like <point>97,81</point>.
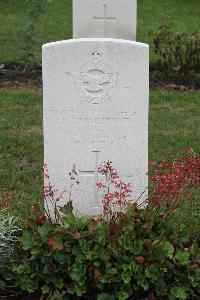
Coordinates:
<point>94,174</point>
<point>105,18</point>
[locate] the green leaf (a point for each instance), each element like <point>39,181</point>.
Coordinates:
<point>178,293</point>
<point>58,295</point>
<point>76,251</point>
<point>102,233</point>
<point>77,272</point>
<point>144,284</point>
<point>36,250</point>
<point>60,257</point>
<point>84,245</point>
<point>80,290</point>
<point>168,247</point>
<point>126,241</point>
<point>183,238</point>
<point>161,287</point>
<point>111,271</point>
<point>83,222</point>
<point>126,276</point>
<point>29,284</point>
<point>106,278</point>
<point>131,210</point>
<point>45,289</point>
<point>133,267</point>
<point>27,241</point>
<point>122,296</point>
<point>137,246</point>
<point>65,225</point>
<point>152,273</point>
<point>163,250</point>
<point>142,281</point>
<point>105,296</point>
<point>58,282</point>
<point>194,276</point>
<point>44,231</point>
<point>182,257</point>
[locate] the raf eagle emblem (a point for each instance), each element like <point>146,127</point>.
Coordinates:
<point>95,82</point>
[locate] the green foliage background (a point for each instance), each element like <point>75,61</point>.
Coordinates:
<point>56,23</point>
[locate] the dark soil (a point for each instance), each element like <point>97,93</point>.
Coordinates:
<point>17,78</point>
<point>14,77</point>
<point>13,294</point>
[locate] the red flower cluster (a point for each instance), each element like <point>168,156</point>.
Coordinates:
<point>116,192</point>
<point>170,179</point>
<point>107,169</point>
<point>45,171</point>
<point>48,191</point>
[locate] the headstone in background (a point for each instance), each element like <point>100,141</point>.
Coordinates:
<point>105,19</point>
<point>95,109</point>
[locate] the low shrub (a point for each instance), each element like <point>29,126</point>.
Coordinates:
<point>9,235</point>
<point>178,53</point>
<point>126,253</point>
<point>9,231</point>
<point>133,256</point>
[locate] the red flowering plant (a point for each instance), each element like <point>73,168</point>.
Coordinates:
<point>116,193</point>
<point>52,199</point>
<point>127,253</point>
<point>51,212</point>
<point>173,182</point>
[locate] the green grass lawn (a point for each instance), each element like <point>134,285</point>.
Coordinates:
<point>56,23</point>
<point>174,127</point>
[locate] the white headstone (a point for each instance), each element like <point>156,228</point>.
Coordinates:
<point>95,109</point>
<point>105,19</point>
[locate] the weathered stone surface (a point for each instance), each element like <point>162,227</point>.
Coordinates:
<point>95,109</point>
<point>105,18</point>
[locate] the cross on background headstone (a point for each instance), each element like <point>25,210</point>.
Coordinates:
<point>118,19</point>
<point>105,18</point>
<point>93,173</point>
